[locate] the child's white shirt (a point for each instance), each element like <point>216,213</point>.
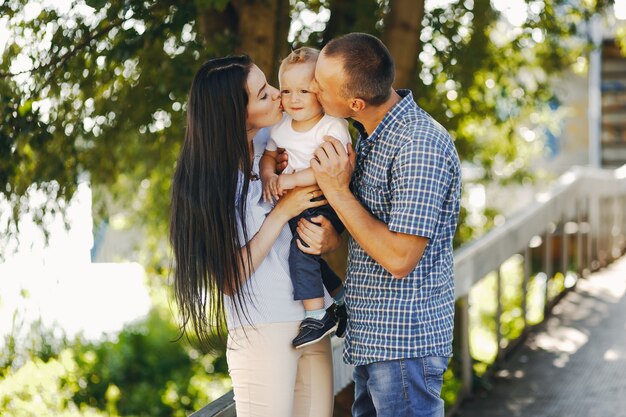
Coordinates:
<point>301,146</point>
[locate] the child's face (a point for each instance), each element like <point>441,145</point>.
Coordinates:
<point>300,103</point>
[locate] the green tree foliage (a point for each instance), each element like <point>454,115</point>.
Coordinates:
<point>143,371</point>
<point>43,388</point>
<point>100,95</point>
<point>146,372</point>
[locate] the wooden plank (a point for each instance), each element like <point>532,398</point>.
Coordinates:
<point>613,98</point>
<point>617,147</point>
<point>613,120</point>
<point>613,86</point>
<point>615,108</point>
<point>610,136</point>
<point>611,50</point>
<point>222,407</point>
<point>613,134</point>
<point>612,66</point>
<point>618,77</point>
<point>614,156</point>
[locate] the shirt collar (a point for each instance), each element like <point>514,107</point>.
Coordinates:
<point>400,107</point>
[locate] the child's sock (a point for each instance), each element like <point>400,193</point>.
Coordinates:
<point>339,296</point>
<point>316,314</point>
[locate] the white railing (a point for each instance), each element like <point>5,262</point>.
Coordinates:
<point>592,201</point>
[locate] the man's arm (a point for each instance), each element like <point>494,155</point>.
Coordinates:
<point>398,253</point>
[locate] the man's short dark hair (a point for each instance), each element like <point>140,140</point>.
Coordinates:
<point>367,65</point>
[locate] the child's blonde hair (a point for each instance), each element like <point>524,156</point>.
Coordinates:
<point>303,55</point>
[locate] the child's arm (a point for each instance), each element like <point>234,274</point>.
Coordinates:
<point>267,168</point>
<point>297,179</point>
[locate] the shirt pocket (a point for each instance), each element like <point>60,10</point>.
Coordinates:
<point>377,199</point>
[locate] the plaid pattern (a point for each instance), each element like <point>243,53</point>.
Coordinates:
<point>408,176</point>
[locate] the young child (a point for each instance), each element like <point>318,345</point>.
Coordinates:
<point>301,132</point>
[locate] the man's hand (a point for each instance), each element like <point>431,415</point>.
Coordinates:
<point>281,160</point>
<point>320,235</point>
<point>333,167</point>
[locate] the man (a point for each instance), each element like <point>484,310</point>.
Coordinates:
<point>398,196</point>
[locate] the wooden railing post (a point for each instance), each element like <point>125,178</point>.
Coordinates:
<point>579,238</point>
<point>527,268</point>
<point>467,373</point>
<point>623,224</point>
<point>547,267</point>
<point>564,247</point>
<point>594,231</point>
<point>499,313</point>
<point>589,238</point>
<point>616,229</point>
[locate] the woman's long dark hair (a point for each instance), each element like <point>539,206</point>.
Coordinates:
<point>206,208</point>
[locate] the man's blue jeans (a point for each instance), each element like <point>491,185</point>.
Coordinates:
<point>400,388</point>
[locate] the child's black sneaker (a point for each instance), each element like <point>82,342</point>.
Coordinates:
<point>313,330</point>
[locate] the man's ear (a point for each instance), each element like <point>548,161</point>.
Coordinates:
<point>357,104</point>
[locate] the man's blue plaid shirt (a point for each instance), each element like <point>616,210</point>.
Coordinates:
<point>407,175</point>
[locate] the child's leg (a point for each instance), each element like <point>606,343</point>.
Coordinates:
<point>313,304</point>
<point>314,308</point>
<point>305,272</point>
<point>331,281</point>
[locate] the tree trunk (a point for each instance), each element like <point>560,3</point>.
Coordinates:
<point>257,34</point>
<point>258,28</point>
<point>217,30</point>
<point>282,49</point>
<point>345,17</point>
<point>403,25</point>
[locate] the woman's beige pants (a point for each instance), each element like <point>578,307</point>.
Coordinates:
<point>272,379</point>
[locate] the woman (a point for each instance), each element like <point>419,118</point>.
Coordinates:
<point>231,250</point>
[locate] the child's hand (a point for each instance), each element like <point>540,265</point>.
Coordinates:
<point>285,182</point>
<point>270,187</point>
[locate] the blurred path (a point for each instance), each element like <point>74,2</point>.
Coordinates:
<point>574,365</point>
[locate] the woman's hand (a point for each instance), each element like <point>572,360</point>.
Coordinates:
<point>294,202</point>
<point>319,234</point>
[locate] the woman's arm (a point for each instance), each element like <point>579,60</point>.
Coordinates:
<point>290,205</point>
<point>259,246</point>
